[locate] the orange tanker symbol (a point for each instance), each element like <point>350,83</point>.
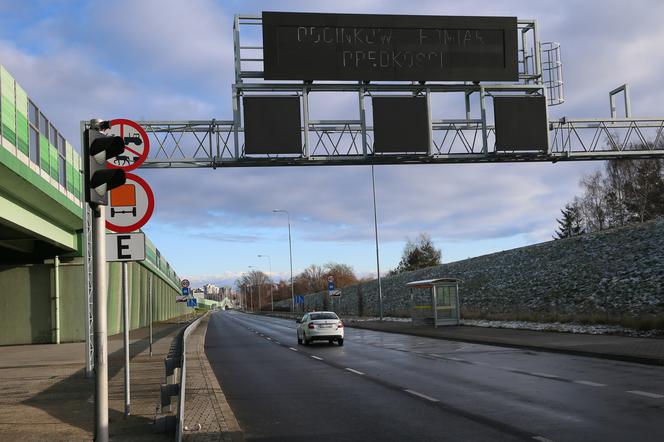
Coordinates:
<point>123,197</point>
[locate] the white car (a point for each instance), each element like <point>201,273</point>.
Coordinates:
<point>320,326</point>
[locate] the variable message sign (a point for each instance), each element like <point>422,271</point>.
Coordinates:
<point>309,46</point>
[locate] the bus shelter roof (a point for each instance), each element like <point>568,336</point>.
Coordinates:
<point>431,282</point>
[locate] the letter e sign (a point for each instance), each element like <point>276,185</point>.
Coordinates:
<point>125,247</point>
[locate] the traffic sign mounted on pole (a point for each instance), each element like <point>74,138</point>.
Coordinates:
<point>131,205</point>
<point>125,247</point>
<point>184,283</point>
<point>136,144</point>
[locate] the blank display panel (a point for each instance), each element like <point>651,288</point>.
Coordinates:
<point>272,125</point>
<point>521,123</point>
<point>401,124</point>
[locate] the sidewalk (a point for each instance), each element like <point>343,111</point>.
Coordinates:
<point>205,403</point>
<point>44,394</point>
<point>621,348</point>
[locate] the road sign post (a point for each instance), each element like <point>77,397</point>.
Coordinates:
<point>150,308</point>
<point>125,331</point>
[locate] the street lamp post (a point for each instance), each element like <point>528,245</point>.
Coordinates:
<point>290,253</point>
<point>380,288</point>
<point>270,276</point>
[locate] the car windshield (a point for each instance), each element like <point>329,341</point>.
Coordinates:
<point>315,316</point>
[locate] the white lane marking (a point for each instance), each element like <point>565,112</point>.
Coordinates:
<point>268,338</point>
<point>354,371</point>
<point>542,439</point>
<point>456,359</point>
<point>546,375</point>
<point>435,355</point>
<point>277,342</point>
<point>592,384</point>
<point>316,357</point>
<point>646,394</point>
<point>423,396</point>
<point>294,349</point>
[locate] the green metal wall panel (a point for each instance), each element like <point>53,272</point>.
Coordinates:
<point>53,161</point>
<point>72,302</point>
<point>114,298</point>
<point>44,154</point>
<point>22,120</point>
<point>7,106</point>
<point>25,305</point>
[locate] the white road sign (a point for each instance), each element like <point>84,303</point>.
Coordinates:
<point>125,247</point>
<point>131,205</point>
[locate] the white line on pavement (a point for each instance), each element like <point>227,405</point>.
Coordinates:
<point>546,375</point>
<point>646,394</point>
<point>592,384</point>
<point>294,349</point>
<point>354,371</point>
<point>268,338</point>
<point>316,357</point>
<point>423,396</point>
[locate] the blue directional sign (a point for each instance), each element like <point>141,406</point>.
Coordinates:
<point>185,291</point>
<point>192,302</point>
<point>330,286</point>
<point>299,299</point>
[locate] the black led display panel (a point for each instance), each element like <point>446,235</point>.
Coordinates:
<point>308,46</point>
<point>520,123</point>
<point>272,125</point>
<point>400,125</point>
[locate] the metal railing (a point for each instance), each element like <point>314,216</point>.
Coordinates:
<point>176,370</point>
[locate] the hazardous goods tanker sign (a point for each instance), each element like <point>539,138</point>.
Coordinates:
<point>303,46</point>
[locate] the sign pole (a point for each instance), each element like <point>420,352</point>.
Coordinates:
<point>125,321</point>
<point>150,308</point>
<point>100,324</point>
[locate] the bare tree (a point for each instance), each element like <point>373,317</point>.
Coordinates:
<point>311,280</point>
<point>593,202</point>
<point>343,274</point>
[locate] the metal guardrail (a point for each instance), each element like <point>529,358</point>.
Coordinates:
<point>176,367</point>
<point>183,377</point>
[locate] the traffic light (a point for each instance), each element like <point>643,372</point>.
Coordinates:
<point>98,148</point>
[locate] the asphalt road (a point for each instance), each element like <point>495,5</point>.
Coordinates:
<point>383,386</point>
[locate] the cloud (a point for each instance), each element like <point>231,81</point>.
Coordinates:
<point>148,60</point>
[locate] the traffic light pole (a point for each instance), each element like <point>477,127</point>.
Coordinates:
<point>100,324</point>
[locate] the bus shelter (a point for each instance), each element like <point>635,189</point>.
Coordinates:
<point>434,301</point>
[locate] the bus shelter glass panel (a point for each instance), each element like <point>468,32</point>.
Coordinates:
<point>446,304</point>
<point>421,306</point>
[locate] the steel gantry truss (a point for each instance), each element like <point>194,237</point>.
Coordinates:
<point>470,139</point>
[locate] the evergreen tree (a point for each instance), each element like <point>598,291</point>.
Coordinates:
<point>570,224</point>
<point>418,254</point>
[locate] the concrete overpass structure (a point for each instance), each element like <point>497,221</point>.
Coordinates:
<point>42,296</point>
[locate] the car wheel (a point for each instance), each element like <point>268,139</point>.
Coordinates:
<point>305,340</point>
<point>340,341</point>
<point>299,341</point>
<point>331,341</point>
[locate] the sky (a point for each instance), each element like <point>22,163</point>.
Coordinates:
<point>173,60</point>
